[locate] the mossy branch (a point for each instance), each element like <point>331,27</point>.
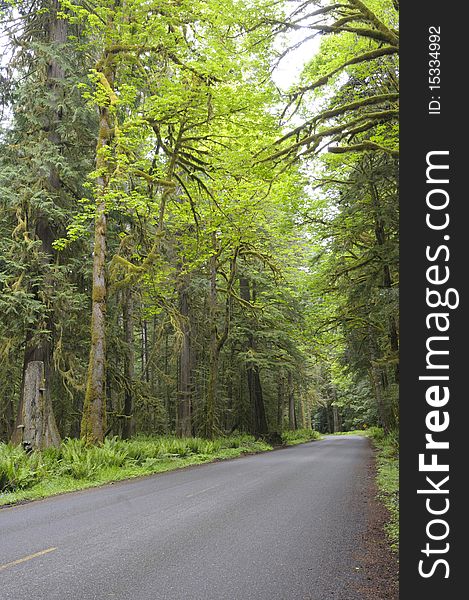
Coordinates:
<point>366,32</point>
<point>370,101</point>
<point>372,18</point>
<point>152,179</point>
<point>313,140</point>
<point>363,147</point>
<point>381,98</point>
<point>107,86</point>
<point>365,57</point>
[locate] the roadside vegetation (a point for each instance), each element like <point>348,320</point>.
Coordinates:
<point>74,465</point>
<point>387,462</point>
<point>299,436</point>
<point>387,478</point>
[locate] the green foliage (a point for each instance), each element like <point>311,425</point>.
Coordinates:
<point>298,436</point>
<point>387,446</point>
<point>17,469</point>
<point>194,202</point>
<point>75,465</point>
<point>77,460</point>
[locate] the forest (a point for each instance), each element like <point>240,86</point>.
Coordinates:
<point>190,244</point>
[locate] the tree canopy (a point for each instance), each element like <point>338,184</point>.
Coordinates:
<point>177,249</point>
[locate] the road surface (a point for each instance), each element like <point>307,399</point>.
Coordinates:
<point>284,525</point>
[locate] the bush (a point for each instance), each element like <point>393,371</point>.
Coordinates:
<point>18,470</point>
<point>299,435</point>
<point>237,441</point>
<point>112,453</point>
<point>76,460</point>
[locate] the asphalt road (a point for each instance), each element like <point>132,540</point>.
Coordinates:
<point>277,526</point>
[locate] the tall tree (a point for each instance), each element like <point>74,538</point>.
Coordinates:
<point>40,191</point>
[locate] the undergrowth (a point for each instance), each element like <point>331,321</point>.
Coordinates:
<point>75,466</point>
<point>387,446</point>
<point>299,436</point>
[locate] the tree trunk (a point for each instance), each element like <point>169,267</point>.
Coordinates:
<point>336,418</point>
<point>93,424</point>
<point>209,425</point>
<point>39,348</point>
<point>330,428</point>
<point>184,422</point>
<point>94,409</point>
<point>256,397</point>
<point>280,403</point>
<point>35,427</point>
<point>128,428</point>
<point>335,412</point>
<point>291,404</point>
<point>381,237</point>
<point>167,391</point>
<point>376,378</point>
<point>217,341</point>
<point>145,366</point>
<point>214,351</point>
<point>301,413</point>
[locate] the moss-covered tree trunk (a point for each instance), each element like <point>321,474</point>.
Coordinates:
<point>378,382</point>
<point>292,424</point>
<point>184,421</point>
<point>217,341</point>
<point>128,428</point>
<point>382,240</point>
<point>209,417</point>
<point>256,396</point>
<point>93,423</point>
<point>280,402</point>
<point>336,419</point>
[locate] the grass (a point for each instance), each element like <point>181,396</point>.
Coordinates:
<point>387,460</point>
<point>74,466</point>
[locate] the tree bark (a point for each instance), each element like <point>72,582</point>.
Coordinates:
<point>145,365</point>
<point>93,424</point>
<point>292,424</point>
<point>380,235</point>
<point>256,396</point>
<point>217,340</point>
<point>128,428</point>
<point>184,421</point>
<point>35,427</point>
<point>94,409</point>
<point>209,425</point>
<point>336,418</point>
<point>280,403</point>
<point>377,382</point>
<point>39,348</point>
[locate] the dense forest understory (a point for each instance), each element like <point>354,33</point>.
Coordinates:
<point>187,246</point>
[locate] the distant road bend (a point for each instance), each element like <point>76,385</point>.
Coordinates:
<point>284,525</point>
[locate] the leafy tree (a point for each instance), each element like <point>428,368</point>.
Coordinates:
<point>348,96</point>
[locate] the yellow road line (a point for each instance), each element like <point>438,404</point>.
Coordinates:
<point>26,558</point>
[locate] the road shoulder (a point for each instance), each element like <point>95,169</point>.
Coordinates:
<point>379,565</point>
